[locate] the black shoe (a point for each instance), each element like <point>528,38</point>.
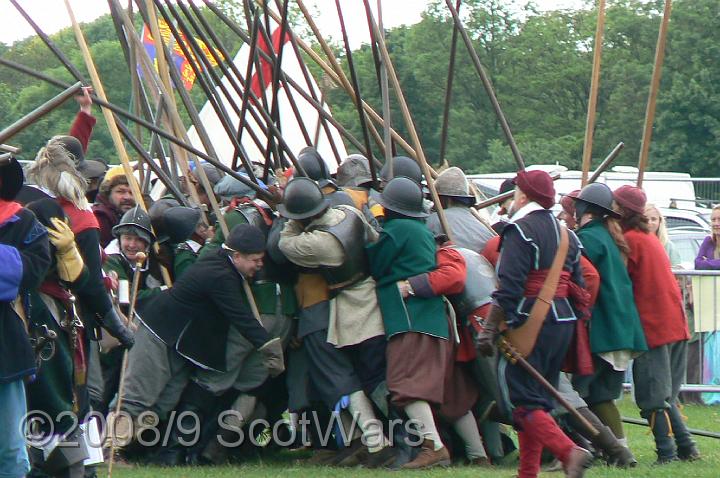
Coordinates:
<point>690,453</point>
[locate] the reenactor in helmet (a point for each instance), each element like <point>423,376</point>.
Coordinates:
<point>468,230</point>
<point>399,166</point>
<point>133,235</point>
<point>316,168</point>
<point>616,334</point>
<point>340,322</point>
<point>416,327</point>
<point>354,176</point>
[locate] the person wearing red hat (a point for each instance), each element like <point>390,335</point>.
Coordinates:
<point>659,372</point>
<point>532,240</point>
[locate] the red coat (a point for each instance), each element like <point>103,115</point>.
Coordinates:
<point>591,278</point>
<point>657,295</point>
<point>82,128</point>
<point>492,250</point>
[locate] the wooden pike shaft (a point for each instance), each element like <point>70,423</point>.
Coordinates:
<point>356,88</point>
<point>39,112</point>
<point>413,133</point>
<point>448,90</point>
<point>384,87</point>
<point>487,85</point>
<point>606,162</point>
<point>592,101</point>
<point>652,98</point>
<point>135,119</point>
<point>178,125</point>
<point>336,66</point>
<point>336,79</point>
<point>109,118</point>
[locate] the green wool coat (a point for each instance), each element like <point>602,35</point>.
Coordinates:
<point>265,293</point>
<point>406,248</point>
<point>615,322</point>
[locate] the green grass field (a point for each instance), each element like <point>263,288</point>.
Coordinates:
<point>641,442</point>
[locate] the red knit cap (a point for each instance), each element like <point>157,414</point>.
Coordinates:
<point>538,186</point>
<point>567,202</point>
<point>631,198</point>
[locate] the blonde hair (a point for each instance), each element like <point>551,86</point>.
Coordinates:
<point>661,233</point>
<point>55,171</point>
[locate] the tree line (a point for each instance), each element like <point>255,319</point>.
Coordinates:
<point>539,63</point>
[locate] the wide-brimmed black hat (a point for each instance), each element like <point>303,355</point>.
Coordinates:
<point>11,178</point>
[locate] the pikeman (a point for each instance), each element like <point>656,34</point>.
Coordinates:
<point>317,170</point>
<point>616,335</point>
<point>340,321</point>
<point>467,230</point>
<point>354,176</point>
<point>133,234</point>
<point>25,258</point>
<point>530,243</point>
<point>659,372</point>
<point>416,327</point>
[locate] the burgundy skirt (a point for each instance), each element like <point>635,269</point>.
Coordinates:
<point>423,367</point>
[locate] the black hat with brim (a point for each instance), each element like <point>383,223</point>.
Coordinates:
<point>91,169</point>
<point>11,179</point>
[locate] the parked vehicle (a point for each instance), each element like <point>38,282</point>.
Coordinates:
<point>687,243</point>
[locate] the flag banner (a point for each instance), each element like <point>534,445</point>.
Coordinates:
<point>262,84</point>
<point>178,57</point>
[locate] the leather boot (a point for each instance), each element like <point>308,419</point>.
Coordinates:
<point>617,454</point>
<point>428,457</point>
<point>661,427</point>
<point>686,448</point>
<point>577,462</point>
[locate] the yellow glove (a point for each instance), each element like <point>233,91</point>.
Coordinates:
<point>69,261</point>
<point>61,236</point>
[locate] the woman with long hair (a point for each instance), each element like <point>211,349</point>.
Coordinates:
<point>660,371</point>
<point>616,334</point>
<point>658,226</point>
<point>708,256</point>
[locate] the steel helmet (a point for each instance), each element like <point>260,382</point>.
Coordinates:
<point>180,222</point>
<point>403,196</point>
<point>135,221</point>
<point>402,166</point>
<point>354,171</point>
<point>314,165</point>
<point>303,199</point>
<point>595,196</point>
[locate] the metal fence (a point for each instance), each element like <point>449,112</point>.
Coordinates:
<point>702,308</point>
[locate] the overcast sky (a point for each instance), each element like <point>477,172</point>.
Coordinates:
<point>52,16</point>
